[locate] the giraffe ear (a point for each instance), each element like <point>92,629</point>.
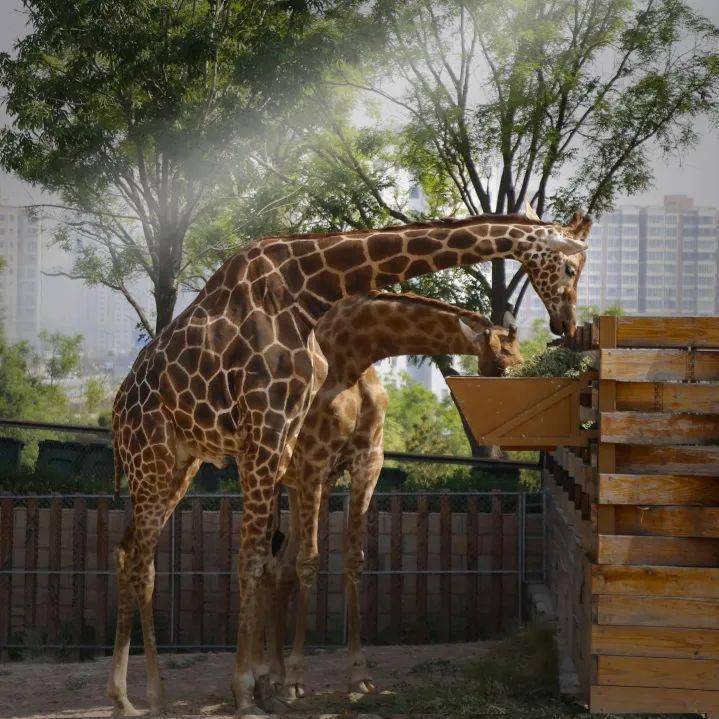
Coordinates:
<point>529,212</point>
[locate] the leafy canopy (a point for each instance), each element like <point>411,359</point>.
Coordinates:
<point>133,111</point>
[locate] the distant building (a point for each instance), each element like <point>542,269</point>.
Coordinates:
<point>651,260</point>
<point>21,253</point>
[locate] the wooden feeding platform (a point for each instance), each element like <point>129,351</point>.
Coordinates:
<point>633,507</point>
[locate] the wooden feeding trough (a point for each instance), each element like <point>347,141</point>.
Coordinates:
<point>527,412</point>
<point>633,512</point>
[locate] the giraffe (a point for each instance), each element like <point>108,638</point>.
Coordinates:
<point>234,374</point>
<point>343,432</point>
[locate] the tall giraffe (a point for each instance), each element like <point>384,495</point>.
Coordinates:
<point>343,432</point>
<point>234,375</point>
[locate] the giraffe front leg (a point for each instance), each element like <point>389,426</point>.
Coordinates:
<point>364,475</point>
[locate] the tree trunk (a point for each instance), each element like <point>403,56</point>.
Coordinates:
<point>499,291</point>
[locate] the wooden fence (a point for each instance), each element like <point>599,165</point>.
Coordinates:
<point>633,520</point>
<point>438,568</point>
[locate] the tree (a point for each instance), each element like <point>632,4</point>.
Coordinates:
<point>24,394</point>
<point>62,354</point>
<point>133,112</point>
<point>96,395</point>
<point>552,101</point>
<point>417,421</point>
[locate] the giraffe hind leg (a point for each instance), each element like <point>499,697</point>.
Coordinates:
<point>117,684</point>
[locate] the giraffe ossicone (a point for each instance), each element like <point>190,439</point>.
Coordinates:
<point>235,373</point>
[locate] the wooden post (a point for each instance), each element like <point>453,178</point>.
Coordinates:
<point>396,566</point>
<point>79,564</point>
<point>7,517</point>
<point>225,565</point>
<point>31,545</point>
<point>422,551</point>
<point>53,564</point>
<point>607,403</point>
<point>445,564</point>
<point>371,608</point>
<point>496,598</point>
<point>102,567</point>
<point>198,580</point>
<point>472,538</point>
<point>323,547</point>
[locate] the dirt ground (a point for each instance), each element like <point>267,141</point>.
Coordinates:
<point>198,685</point>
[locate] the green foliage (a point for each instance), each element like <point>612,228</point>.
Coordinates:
<point>417,421</point>
<point>23,394</point>
<point>96,395</point>
<point>554,362</point>
<point>62,354</point>
<point>538,341</point>
<point>588,313</point>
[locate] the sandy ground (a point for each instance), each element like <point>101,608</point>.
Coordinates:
<point>198,685</point>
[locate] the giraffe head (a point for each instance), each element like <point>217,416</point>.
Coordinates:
<point>554,263</point>
<point>497,347</point>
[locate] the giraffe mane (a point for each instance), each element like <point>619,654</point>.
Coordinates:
<point>442,222</point>
<point>415,299</point>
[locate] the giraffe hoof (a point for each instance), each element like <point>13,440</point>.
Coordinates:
<point>275,705</point>
<point>126,710</point>
<point>293,690</point>
<point>363,686</point>
<point>250,712</point>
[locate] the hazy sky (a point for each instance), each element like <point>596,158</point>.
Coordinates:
<point>696,173</point>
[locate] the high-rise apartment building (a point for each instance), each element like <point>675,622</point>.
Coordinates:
<point>21,254</point>
<point>651,260</point>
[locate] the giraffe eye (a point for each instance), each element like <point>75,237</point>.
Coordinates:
<point>570,270</point>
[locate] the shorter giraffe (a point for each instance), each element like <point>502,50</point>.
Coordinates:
<point>343,431</point>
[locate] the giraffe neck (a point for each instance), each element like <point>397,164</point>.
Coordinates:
<point>340,265</point>
<point>362,330</point>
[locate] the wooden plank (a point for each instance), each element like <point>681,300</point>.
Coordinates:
<point>655,642</point>
<point>668,397</point>
<point>421,582</point>
<point>656,581</point>
<point>445,564</point>
<point>79,564</point>
<point>668,332</point>
<point>7,520</point>
<point>53,564</point>
<point>396,584</point>
<point>224,565</point>
<point>472,538</point>
<point>658,428</point>
<point>658,489</point>
<point>323,547</point>
<point>666,460</point>
<point>372,594</point>
<point>657,611</point>
<point>198,579</point>
<point>668,521</point>
<point>31,550</point>
<point>658,672</point>
<point>101,579</point>
<point>639,700</point>
<point>496,564</point>
<point>658,365</point>
<point>663,551</point>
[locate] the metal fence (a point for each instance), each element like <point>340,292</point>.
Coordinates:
<point>439,566</point>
